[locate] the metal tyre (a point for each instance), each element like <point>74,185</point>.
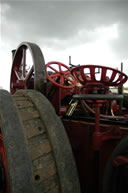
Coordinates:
<point>53,165</point>
<point>15,164</point>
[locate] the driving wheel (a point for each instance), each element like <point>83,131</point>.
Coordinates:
<point>15,166</point>
<point>35,153</point>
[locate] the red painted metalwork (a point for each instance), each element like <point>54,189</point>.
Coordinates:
<point>18,71</point>
<point>4,164</point>
<point>86,74</point>
<point>60,77</point>
<point>93,125</point>
<point>92,143</point>
<point>24,74</point>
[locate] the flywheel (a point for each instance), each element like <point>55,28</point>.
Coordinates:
<point>28,68</point>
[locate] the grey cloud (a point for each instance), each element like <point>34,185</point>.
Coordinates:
<point>59,24</point>
<point>120,46</point>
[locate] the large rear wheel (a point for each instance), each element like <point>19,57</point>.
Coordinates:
<point>15,165</point>
<point>51,157</point>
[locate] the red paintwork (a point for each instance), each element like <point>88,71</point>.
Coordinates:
<point>4,162</point>
<point>62,75</point>
<point>113,78</point>
<point>92,142</point>
<point>19,78</point>
<point>89,161</point>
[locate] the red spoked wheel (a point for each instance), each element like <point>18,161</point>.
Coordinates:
<point>107,76</point>
<point>60,75</point>
<point>28,68</point>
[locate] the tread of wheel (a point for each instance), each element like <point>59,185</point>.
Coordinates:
<point>19,170</point>
<point>52,162</point>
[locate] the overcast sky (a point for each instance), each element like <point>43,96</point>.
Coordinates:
<point>92,32</point>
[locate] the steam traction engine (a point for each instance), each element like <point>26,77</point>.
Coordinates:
<point>62,130</point>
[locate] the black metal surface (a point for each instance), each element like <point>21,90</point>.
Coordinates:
<point>97,97</point>
<point>102,120</point>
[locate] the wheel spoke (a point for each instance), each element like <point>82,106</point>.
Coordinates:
<point>53,69</point>
<point>67,72</point>
<point>69,78</point>
<point>59,67</point>
<point>54,75</point>
<point>17,73</point>
<point>62,80</point>
<point>29,75</point>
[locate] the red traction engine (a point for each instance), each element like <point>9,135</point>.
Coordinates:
<point>62,129</point>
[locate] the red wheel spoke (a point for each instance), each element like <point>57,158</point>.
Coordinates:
<point>54,75</point>
<point>69,78</point>
<point>53,69</point>
<point>59,67</point>
<point>66,73</point>
<point>62,80</point>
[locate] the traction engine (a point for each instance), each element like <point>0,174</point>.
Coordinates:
<point>62,129</point>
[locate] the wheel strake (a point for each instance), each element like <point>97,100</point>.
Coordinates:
<point>53,165</point>
<point>15,158</point>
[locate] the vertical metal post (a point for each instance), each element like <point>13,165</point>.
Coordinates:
<point>13,53</point>
<point>121,66</point>
<point>69,60</point>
